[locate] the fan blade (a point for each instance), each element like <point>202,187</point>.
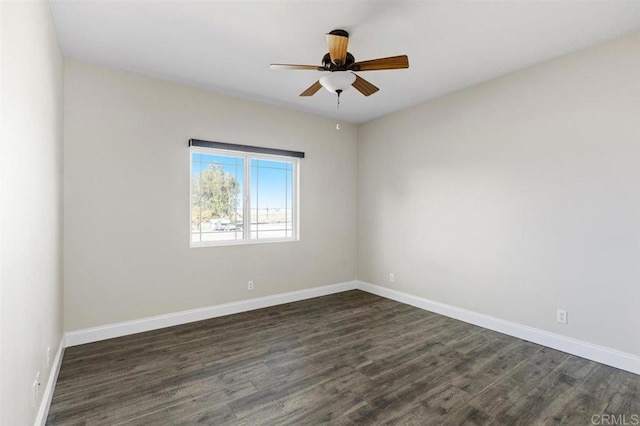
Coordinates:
<point>337,40</point>
<point>295,67</point>
<point>312,89</point>
<point>391,63</point>
<point>364,87</point>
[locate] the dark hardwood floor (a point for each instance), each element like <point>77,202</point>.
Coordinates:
<point>348,358</point>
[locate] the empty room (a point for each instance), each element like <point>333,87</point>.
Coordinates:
<point>310,212</point>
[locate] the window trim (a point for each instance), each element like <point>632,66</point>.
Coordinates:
<point>246,205</point>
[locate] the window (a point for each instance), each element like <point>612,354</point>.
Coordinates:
<point>241,197</point>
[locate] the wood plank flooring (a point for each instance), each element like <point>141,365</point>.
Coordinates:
<point>348,358</point>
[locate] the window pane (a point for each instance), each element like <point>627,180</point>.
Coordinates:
<point>271,199</point>
<point>216,197</point>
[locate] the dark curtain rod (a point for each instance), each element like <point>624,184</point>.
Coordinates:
<point>245,148</point>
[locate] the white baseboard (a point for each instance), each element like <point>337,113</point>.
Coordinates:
<point>601,354</point>
<point>45,403</point>
<point>94,334</point>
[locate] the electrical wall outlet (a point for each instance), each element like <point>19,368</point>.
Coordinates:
<point>250,285</point>
<point>392,277</point>
<point>562,316</point>
<point>36,390</point>
<point>34,393</point>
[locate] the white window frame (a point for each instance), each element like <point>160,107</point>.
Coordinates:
<point>246,206</point>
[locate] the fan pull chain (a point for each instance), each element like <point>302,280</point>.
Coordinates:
<point>338,92</point>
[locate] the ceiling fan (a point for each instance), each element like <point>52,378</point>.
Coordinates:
<point>342,66</point>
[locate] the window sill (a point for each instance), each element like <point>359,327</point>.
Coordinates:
<point>243,242</point>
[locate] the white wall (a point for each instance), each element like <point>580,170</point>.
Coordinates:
<point>30,204</point>
<point>126,239</point>
<point>515,197</point>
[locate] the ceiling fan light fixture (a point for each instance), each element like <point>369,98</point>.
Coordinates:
<point>338,81</point>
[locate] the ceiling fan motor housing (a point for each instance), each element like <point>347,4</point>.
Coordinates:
<point>328,65</point>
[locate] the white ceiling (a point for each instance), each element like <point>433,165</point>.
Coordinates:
<point>226,46</point>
